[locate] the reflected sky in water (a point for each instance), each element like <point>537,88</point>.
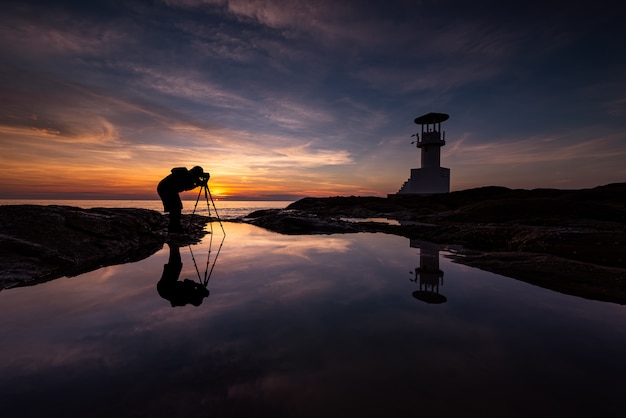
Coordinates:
<point>308,326</point>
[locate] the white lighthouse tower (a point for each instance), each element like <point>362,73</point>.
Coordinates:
<point>431,178</point>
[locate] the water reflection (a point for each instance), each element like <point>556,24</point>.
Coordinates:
<point>179,293</point>
<point>185,292</point>
<point>307,326</point>
<point>208,272</point>
<point>428,275</point>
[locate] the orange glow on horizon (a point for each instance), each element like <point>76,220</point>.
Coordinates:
<point>53,182</point>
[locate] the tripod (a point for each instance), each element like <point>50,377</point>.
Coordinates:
<point>207,195</point>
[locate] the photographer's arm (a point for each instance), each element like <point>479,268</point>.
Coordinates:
<point>198,181</point>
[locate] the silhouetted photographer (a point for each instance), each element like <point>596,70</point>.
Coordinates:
<point>169,188</point>
<point>177,292</point>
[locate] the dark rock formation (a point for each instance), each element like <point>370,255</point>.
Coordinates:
<point>297,222</point>
<point>572,241</point>
<point>41,243</point>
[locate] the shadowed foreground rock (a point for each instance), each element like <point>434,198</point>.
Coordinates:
<point>572,241</point>
<point>41,243</point>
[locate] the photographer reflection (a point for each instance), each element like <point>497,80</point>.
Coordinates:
<point>177,292</point>
<point>178,181</point>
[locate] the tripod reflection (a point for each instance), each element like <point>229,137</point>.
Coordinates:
<point>179,293</point>
<point>204,280</point>
<point>428,275</point>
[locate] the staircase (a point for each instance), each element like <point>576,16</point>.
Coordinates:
<point>404,188</point>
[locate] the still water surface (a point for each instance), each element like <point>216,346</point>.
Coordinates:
<point>308,326</point>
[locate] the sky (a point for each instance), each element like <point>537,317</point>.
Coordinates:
<point>281,99</point>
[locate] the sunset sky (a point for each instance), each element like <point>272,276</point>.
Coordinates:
<point>280,99</point>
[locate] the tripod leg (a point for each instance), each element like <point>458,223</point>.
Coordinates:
<point>194,210</point>
<point>215,209</point>
<point>208,208</point>
<point>206,197</point>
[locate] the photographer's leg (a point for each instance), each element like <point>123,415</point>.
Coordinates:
<point>176,208</point>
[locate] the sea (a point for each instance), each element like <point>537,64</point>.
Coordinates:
<point>225,209</point>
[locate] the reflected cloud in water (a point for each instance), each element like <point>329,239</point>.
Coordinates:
<point>307,326</point>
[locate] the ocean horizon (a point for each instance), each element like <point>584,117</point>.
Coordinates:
<point>226,209</point>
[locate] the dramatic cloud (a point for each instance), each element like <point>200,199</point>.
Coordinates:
<point>306,98</point>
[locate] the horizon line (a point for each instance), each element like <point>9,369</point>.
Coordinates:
<point>266,198</point>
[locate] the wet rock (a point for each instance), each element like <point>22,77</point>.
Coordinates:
<point>41,243</point>
<point>568,240</point>
<point>293,222</point>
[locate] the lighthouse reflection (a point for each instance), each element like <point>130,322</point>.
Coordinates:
<point>428,275</point>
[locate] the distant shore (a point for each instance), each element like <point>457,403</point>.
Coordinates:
<point>571,241</point>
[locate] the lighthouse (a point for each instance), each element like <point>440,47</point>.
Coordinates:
<point>431,178</point>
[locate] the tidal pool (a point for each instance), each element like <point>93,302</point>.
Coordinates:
<point>357,325</point>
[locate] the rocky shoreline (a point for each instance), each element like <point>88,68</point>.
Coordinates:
<point>571,241</point>
<point>43,243</point>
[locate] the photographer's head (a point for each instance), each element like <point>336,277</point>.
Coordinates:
<point>197,171</point>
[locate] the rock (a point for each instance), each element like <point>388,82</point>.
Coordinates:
<point>568,240</point>
<point>298,223</point>
<point>41,243</point>
<point>572,241</point>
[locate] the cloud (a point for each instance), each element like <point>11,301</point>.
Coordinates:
<point>187,85</point>
<point>295,115</point>
<point>567,146</point>
<point>59,33</point>
<point>300,96</point>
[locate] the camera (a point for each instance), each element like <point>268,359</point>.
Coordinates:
<point>204,178</point>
